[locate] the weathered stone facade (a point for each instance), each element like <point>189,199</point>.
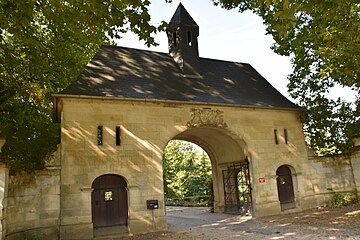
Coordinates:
<point>329,175</point>
<point>33,202</point>
<point>57,203</point>
<point>146,129</point>
<point>232,136</point>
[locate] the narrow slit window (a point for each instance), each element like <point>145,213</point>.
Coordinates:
<point>118,136</point>
<point>286,136</point>
<point>189,38</point>
<point>276,137</point>
<point>174,39</point>
<point>100,135</point>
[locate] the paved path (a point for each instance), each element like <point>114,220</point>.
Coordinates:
<point>199,224</point>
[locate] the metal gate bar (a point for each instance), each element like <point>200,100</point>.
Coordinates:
<point>237,189</point>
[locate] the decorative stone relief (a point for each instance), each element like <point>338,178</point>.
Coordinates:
<point>206,117</point>
<point>52,161</point>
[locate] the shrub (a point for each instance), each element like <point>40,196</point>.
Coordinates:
<point>28,236</point>
<point>338,200</point>
<point>195,201</point>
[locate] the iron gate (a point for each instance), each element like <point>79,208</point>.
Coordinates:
<point>237,188</point>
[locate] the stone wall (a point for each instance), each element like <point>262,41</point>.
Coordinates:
<point>33,203</point>
<point>329,175</point>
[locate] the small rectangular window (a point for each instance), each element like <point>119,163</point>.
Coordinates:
<point>100,135</point>
<point>108,196</point>
<point>276,137</point>
<point>118,136</point>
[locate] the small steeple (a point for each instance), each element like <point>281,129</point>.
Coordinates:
<point>182,33</point>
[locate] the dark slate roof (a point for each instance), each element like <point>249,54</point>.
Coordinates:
<point>139,74</point>
<point>181,17</point>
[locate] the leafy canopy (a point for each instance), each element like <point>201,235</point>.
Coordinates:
<point>44,44</point>
<point>322,37</point>
<point>187,170</point>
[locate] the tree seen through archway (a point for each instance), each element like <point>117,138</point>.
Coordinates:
<point>187,174</point>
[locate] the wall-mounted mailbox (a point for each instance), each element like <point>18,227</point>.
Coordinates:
<point>152,204</point>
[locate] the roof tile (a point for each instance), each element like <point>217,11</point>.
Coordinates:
<point>131,73</point>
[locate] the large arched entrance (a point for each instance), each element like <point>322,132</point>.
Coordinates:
<point>230,167</point>
<point>109,201</point>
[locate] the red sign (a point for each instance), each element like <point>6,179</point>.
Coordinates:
<point>261,180</point>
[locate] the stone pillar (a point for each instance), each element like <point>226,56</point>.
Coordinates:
<point>355,162</point>
<point>4,177</point>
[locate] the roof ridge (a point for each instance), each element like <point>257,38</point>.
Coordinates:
<point>223,60</point>
<point>166,53</point>
<point>131,48</point>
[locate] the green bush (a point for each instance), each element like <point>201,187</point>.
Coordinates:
<point>338,200</point>
<point>195,201</point>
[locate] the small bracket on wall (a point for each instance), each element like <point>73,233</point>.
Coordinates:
<point>86,189</point>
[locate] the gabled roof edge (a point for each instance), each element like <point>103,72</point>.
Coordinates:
<point>172,101</point>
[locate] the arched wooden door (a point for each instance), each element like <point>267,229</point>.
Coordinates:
<point>285,187</point>
<point>109,201</point>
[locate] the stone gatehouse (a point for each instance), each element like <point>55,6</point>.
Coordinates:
<point>117,119</point>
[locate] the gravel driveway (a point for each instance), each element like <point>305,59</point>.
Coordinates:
<point>198,223</point>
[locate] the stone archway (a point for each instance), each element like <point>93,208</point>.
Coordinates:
<point>226,152</point>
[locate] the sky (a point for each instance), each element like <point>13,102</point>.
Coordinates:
<point>226,35</point>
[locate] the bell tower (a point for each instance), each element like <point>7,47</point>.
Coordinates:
<point>182,33</point>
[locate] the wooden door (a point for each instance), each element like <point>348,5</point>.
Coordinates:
<point>109,201</point>
<point>285,186</point>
